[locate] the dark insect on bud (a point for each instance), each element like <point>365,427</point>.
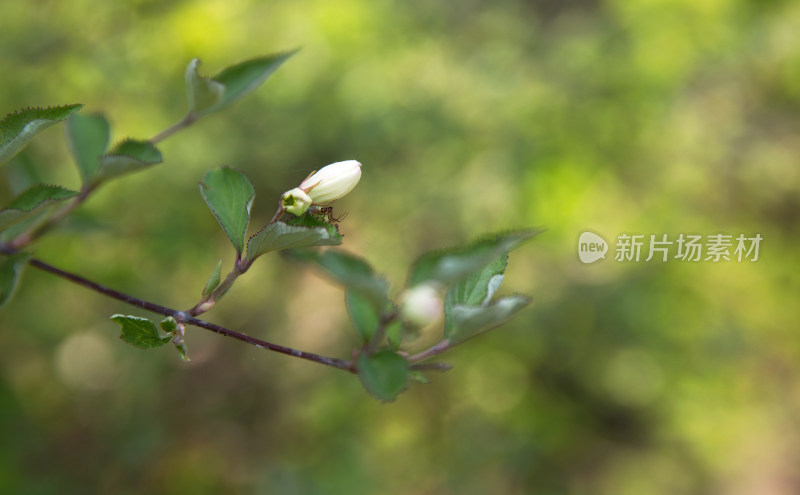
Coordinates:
<point>326,214</point>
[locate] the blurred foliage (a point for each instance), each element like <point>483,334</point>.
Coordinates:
<point>656,116</point>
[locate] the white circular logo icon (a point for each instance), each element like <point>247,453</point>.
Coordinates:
<point>591,247</point>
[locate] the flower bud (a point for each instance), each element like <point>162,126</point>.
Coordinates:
<point>206,306</point>
<point>421,305</point>
<point>332,182</point>
<point>295,201</point>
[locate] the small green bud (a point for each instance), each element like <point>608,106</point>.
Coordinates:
<point>295,201</point>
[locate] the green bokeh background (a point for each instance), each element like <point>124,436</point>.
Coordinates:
<point>650,117</point>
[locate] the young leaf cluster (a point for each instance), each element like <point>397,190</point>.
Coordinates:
<point>229,195</point>
<point>470,275</point>
<point>142,333</point>
<point>31,213</point>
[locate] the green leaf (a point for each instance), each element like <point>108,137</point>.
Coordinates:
<point>477,289</point>
<point>87,138</point>
<point>203,93</point>
<point>10,271</point>
<point>26,224</point>
<point>309,220</point>
<point>394,334</point>
<point>304,231</point>
<point>450,265</point>
<point>139,332</point>
<point>468,309</point>
<point>31,201</point>
<point>469,321</point>
<point>384,374</point>
<point>34,196</point>
<point>229,194</point>
<point>362,313</point>
<point>241,79</point>
<point>348,270</point>
<point>18,128</point>
<point>168,324</point>
<point>213,280</point>
<point>21,173</point>
<point>180,346</point>
<point>366,317</point>
<point>418,377</point>
<point>128,156</point>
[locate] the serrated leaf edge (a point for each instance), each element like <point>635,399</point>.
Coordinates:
<point>49,200</point>
<point>281,54</point>
<point>527,234</point>
<point>129,140</point>
<point>77,106</point>
<point>204,187</point>
<point>320,228</point>
<point>163,340</point>
<point>526,301</point>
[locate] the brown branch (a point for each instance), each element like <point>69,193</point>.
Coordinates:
<point>182,316</point>
<point>380,332</point>
<point>438,348</point>
<point>431,367</point>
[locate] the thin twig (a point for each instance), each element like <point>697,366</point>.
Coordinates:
<point>31,235</point>
<point>380,332</point>
<point>34,233</point>
<point>431,367</point>
<point>439,348</point>
<point>182,316</point>
<point>277,214</point>
<point>203,305</point>
<point>185,122</point>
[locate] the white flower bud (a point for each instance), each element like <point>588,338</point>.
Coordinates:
<point>421,305</point>
<point>332,182</point>
<point>295,201</point>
